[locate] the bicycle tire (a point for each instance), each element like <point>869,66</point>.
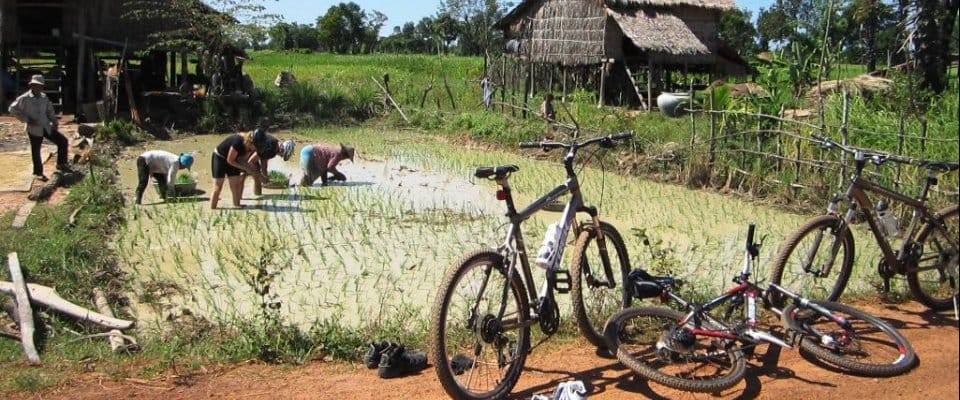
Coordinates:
<point>895,354</point>
<point>808,283</point>
<point>594,304</point>
<point>648,357</point>
<point>934,287</point>
<point>478,334</point>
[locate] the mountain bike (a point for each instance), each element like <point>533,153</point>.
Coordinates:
<point>817,259</point>
<point>698,351</point>
<point>487,302</point>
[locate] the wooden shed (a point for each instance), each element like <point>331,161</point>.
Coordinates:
<point>635,39</point>
<point>74,42</point>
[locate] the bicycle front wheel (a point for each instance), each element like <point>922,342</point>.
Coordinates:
<point>933,281</point>
<point>595,298</point>
<point>649,341</point>
<point>477,327</point>
<point>816,260</point>
<point>866,345</point>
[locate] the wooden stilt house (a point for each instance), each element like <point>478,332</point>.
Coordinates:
<point>636,43</point>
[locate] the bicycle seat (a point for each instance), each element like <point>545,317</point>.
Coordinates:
<point>496,172</point>
<point>942,166</point>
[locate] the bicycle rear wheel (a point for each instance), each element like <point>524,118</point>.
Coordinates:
<point>933,281</point>
<point>867,346</point>
<point>594,298</point>
<point>477,328</point>
<point>824,243</point>
<point>649,341</point>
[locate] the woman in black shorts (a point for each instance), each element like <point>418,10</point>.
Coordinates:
<point>234,156</point>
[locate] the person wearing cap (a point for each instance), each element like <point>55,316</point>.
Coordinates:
<point>244,154</point>
<point>163,166</point>
<point>36,110</point>
<point>317,160</point>
<point>268,147</point>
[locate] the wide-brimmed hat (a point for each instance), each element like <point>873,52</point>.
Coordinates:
<point>347,151</point>
<point>37,80</point>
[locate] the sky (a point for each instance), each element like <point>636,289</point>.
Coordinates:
<point>399,12</point>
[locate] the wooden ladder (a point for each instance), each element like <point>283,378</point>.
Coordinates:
<point>633,82</point>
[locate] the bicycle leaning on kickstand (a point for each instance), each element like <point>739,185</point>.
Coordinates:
<point>817,259</point>
<point>487,302</point>
<point>698,351</point>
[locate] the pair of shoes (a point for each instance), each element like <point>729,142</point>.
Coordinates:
<point>460,364</point>
<point>41,178</point>
<point>397,361</point>
<point>375,353</point>
<point>65,168</point>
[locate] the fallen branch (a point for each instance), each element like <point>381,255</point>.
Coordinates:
<point>73,217</point>
<point>24,312</point>
<point>49,297</point>
<point>390,98</point>
<point>118,341</point>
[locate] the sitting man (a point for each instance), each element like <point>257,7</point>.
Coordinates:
<point>317,160</point>
<point>163,165</point>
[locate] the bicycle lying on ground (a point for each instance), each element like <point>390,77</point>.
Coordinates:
<point>694,350</point>
<point>818,258</point>
<point>487,302</point>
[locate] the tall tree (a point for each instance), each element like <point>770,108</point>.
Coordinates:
<point>194,24</point>
<point>342,28</point>
<point>476,19</point>
<point>931,39</point>
<point>737,31</point>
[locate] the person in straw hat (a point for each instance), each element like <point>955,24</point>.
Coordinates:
<point>36,110</point>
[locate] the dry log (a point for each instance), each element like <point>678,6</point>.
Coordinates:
<point>49,297</point>
<point>24,312</point>
<point>116,337</point>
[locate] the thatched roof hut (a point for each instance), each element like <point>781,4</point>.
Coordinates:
<point>587,32</point>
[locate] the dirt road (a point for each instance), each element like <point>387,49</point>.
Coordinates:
<point>773,374</point>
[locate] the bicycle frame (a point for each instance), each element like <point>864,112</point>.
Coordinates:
<point>514,246</point>
<point>749,291</point>
<point>856,196</point>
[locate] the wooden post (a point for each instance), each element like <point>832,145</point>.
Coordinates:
<point>780,141</point>
<point>563,71</point>
<point>116,337</point>
<point>693,119</point>
<point>649,85</point>
<point>503,80</point>
<point>24,311</point>
<point>603,79</point>
<point>184,69</point>
<point>526,90</point>
<point>844,137</point>
<point>81,58</point>
<point>713,132</point>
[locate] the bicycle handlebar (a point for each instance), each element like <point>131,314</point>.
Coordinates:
<point>880,158</point>
<point>547,145</point>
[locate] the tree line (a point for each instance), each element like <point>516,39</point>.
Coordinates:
<point>874,33</point>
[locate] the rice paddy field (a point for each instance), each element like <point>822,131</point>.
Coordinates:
<point>375,247</point>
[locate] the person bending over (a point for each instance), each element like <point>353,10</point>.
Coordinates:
<point>317,160</point>
<point>163,165</point>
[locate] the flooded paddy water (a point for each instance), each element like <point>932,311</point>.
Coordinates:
<point>376,246</point>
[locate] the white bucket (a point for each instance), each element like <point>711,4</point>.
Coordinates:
<point>673,104</point>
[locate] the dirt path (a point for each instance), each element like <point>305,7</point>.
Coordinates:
<point>772,375</point>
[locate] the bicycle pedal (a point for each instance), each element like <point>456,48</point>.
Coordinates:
<point>560,280</point>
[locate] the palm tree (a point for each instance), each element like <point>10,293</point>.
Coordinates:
<point>931,41</point>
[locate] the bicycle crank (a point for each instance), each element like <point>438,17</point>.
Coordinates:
<point>549,315</point>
